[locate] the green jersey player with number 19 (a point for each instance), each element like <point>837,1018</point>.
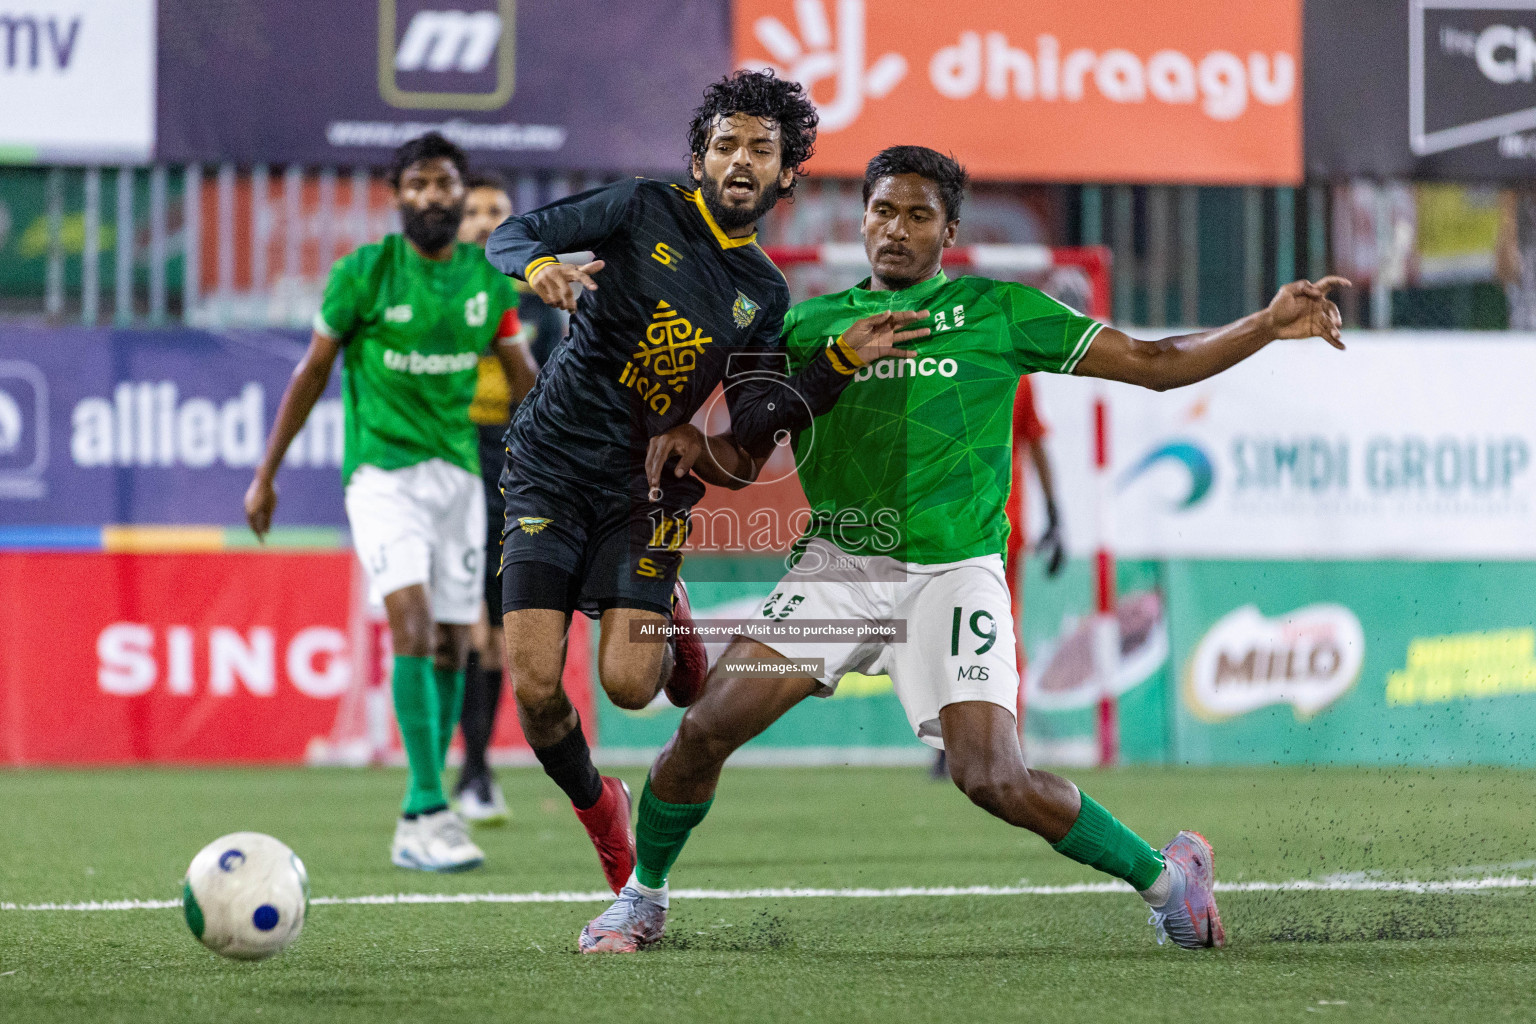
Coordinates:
<point>908,477</point>
<point>410,316</point>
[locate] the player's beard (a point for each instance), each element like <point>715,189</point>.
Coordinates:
<point>434,228</point>
<point>731,218</point>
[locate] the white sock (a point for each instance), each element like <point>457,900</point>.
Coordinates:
<point>1157,895</point>
<point>654,895</point>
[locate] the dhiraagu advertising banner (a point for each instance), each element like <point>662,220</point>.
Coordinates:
<point>1355,662</point>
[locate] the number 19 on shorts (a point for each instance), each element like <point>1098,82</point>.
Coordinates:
<point>978,625</point>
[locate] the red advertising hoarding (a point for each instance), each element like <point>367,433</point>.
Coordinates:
<point>190,658</point>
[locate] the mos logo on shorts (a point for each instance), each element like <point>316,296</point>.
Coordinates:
<point>533,524</point>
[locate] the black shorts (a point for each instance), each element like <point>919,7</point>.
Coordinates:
<point>493,456</point>
<point>607,549</point>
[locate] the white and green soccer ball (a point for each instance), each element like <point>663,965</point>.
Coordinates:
<point>244,896</point>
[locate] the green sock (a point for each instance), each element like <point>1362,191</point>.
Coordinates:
<point>416,711</point>
<point>1099,840</point>
<point>661,829</point>
<point>450,704</point>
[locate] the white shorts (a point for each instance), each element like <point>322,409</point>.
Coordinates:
<point>421,524</point>
<point>959,628</point>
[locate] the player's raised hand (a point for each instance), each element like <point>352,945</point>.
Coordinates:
<point>1302,309</point>
<point>260,503</point>
<point>553,281</point>
<point>685,441</point>
<point>876,337</point>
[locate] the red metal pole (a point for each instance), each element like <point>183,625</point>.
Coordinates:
<point>1106,632</point>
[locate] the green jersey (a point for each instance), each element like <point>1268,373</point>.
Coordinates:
<point>915,460</point>
<point>413,330</point>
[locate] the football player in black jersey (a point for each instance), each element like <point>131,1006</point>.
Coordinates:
<point>677,300</point>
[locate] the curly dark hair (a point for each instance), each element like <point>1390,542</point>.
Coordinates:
<point>430,146</point>
<point>760,94</point>
<point>944,171</point>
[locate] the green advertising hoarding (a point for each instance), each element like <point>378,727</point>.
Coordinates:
<point>1061,691</point>
<point>1222,662</point>
<point>1354,662</point>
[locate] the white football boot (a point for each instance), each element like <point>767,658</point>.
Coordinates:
<point>634,922</point>
<point>435,842</point>
<point>481,803</point>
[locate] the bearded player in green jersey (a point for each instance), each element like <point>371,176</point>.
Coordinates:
<point>410,317</point>
<point>907,477</point>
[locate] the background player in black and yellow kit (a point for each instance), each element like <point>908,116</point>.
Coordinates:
<point>678,299</point>
<point>486,204</point>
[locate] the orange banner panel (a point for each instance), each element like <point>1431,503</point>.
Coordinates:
<point>1195,91</point>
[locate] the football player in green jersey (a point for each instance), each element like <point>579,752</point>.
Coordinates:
<point>410,316</point>
<point>907,477</point>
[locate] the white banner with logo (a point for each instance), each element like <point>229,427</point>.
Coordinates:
<point>77,79</point>
<point>1414,445</point>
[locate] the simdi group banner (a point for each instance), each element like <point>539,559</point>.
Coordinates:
<point>563,84</point>
<point>1046,90</point>
<point>1413,445</point>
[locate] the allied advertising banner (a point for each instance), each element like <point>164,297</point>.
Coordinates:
<point>171,658</point>
<point>1420,88</point>
<point>77,80</point>
<point>1046,90</point>
<point>103,426</point>
<point>571,84</point>
<point>1416,446</point>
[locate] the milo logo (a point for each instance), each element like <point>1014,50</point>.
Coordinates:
<point>1307,658</point>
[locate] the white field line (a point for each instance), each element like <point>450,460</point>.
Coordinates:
<point>1459,885</point>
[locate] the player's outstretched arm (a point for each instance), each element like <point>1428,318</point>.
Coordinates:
<point>299,398</point>
<point>1301,309</point>
<point>716,459</point>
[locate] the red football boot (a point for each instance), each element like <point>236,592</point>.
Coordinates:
<point>607,823</point>
<point>690,662</point>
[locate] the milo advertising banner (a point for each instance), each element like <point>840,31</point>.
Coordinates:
<point>1356,662</point>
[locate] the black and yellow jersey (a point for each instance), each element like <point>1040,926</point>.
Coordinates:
<point>680,308</point>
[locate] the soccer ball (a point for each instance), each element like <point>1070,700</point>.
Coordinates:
<point>244,896</point>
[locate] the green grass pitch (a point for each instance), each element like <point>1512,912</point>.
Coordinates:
<point>1293,955</point>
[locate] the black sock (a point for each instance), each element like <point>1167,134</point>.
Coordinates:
<point>469,717</point>
<point>494,680</point>
<point>482,690</point>
<point>569,763</point>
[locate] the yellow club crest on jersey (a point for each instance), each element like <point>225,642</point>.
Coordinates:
<point>743,311</point>
<point>533,524</point>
